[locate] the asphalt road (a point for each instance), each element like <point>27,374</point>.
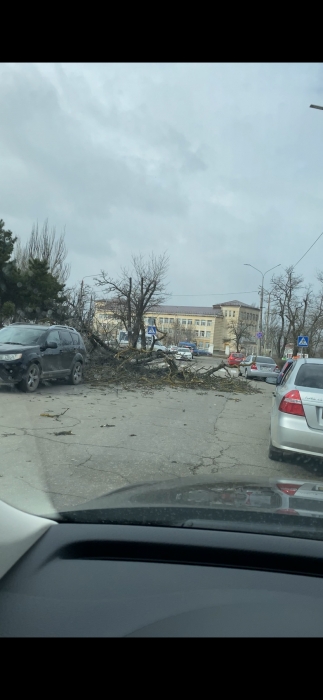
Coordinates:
<point>95,440</point>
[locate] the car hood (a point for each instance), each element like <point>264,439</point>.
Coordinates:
<point>246,503</point>
<point>6,349</point>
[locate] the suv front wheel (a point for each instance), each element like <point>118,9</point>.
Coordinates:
<point>31,381</point>
<point>76,375</point>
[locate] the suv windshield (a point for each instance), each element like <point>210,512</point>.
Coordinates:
<point>21,335</point>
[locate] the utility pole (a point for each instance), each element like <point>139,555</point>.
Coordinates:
<point>267,320</point>
<point>261,298</point>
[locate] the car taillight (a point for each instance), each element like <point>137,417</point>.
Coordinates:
<point>253,366</point>
<point>289,489</point>
<point>292,403</point>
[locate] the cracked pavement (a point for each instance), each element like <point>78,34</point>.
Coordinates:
<point>90,441</point>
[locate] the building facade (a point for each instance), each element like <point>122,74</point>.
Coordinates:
<point>211,327</point>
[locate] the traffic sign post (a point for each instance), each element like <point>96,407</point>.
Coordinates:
<point>302,341</point>
<point>152,330</point>
<point>259,335</point>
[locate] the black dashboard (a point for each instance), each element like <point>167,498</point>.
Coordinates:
<point>87,580</point>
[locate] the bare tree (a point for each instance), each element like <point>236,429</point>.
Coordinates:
<point>241,331</point>
<point>135,292</point>
<point>296,311</point>
<point>44,245</point>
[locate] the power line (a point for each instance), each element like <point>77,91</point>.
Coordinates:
<point>212,294</point>
<point>303,256</point>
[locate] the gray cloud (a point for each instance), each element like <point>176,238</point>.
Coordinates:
<point>219,164</point>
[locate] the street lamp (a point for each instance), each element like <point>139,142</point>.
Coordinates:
<point>262,296</point>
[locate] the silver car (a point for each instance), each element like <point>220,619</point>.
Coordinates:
<point>296,424</point>
<point>183,354</point>
<point>258,367</point>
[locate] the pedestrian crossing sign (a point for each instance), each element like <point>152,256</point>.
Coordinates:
<point>302,341</point>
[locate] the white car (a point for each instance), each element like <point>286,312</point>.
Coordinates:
<point>183,354</point>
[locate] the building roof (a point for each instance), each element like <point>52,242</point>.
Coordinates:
<point>235,302</point>
<point>190,310</point>
<point>166,309</point>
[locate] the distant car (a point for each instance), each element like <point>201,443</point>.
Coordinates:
<point>235,358</point>
<point>159,346</point>
<point>258,367</point>
<point>184,354</point>
<point>30,353</point>
<point>172,348</point>
<point>199,352</point>
<point>296,424</point>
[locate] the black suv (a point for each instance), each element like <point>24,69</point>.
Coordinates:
<point>30,353</point>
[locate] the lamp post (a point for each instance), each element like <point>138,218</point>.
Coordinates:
<point>263,274</point>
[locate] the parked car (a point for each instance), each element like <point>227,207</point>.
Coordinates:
<point>171,348</point>
<point>235,358</point>
<point>30,353</point>
<point>258,367</point>
<point>199,352</point>
<point>159,347</point>
<point>296,424</point>
<point>184,354</point>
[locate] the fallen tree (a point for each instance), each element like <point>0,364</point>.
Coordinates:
<point>131,367</point>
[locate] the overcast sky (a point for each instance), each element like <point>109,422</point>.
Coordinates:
<point>219,164</point>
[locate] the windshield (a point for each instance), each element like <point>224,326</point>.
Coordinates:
<point>20,335</point>
<point>160,225</point>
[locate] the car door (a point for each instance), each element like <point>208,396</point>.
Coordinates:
<point>51,357</point>
<point>67,350</point>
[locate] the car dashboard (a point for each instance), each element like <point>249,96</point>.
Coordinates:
<point>105,580</point>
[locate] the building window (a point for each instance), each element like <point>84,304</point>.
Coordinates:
<point>189,322</point>
<point>233,313</point>
<point>196,333</point>
<point>207,345</point>
<point>208,334</point>
<point>229,313</point>
<point>200,345</point>
<point>150,321</point>
<point>165,320</point>
<point>183,321</point>
<point>203,323</point>
<point>171,320</point>
<point>197,323</point>
<point>225,313</point>
<point>209,323</point>
<point>202,334</point>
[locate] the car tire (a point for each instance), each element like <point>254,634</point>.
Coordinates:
<point>274,453</point>
<point>76,375</point>
<point>31,381</point>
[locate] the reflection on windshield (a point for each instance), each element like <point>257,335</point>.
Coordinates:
<point>21,336</point>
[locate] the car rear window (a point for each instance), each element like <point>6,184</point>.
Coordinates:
<point>265,360</point>
<point>310,375</point>
<point>75,338</point>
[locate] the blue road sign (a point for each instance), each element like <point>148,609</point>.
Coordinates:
<point>152,330</point>
<point>259,335</point>
<point>302,341</point>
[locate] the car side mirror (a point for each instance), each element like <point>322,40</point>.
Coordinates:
<point>51,345</point>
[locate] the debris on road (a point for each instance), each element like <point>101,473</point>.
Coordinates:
<point>130,368</point>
